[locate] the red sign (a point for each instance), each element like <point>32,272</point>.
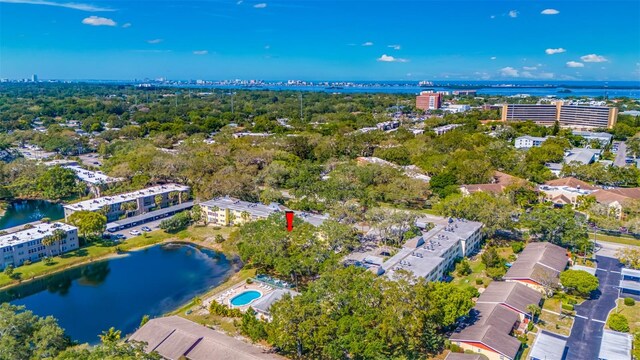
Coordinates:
<point>289,215</point>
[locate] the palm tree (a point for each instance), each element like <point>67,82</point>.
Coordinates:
<point>534,310</point>
<point>59,235</point>
<point>245,216</point>
<point>158,201</point>
<point>48,241</point>
<point>111,336</point>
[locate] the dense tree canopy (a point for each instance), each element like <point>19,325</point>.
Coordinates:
<point>352,313</point>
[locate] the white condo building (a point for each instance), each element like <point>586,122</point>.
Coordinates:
<point>20,246</point>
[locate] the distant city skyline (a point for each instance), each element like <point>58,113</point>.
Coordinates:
<point>321,40</point>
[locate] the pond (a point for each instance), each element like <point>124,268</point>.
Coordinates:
<point>20,212</point>
<point>119,292</point>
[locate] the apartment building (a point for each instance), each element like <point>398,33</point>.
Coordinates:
<point>428,101</point>
<point>20,246</point>
<point>132,203</point>
<point>228,211</point>
<point>526,142</point>
<point>432,254</point>
<point>573,116</point>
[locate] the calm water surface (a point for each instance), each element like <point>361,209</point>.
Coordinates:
<point>25,211</point>
<point>119,292</point>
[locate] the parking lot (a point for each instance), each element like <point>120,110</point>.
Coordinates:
<point>153,225</point>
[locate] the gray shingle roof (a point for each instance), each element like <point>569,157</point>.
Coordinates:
<point>511,294</point>
<point>538,261</point>
<point>173,337</point>
<point>496,315</point>
<point>489,336</point>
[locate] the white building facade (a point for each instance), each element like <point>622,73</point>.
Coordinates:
<point>27,245</point>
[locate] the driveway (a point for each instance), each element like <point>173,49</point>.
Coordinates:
<point>621,155</point>
<point>591,315</point>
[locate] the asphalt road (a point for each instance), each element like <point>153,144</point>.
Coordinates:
<point>591,315</point>
<point>621,155</point>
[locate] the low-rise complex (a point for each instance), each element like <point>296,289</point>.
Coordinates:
<point>445,128</point>
<point>229,211</point>
<point>431,254</point>
<point>133,203</point>
<point>27,245</point>
<point>526,142</point>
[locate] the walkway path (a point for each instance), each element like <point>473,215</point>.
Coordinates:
<point>591,315</point>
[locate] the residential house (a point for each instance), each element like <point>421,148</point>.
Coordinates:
<point>499,183</point>
<point>615,346</point>
<point>538,266</point>
<point>511,295</point>
<point>488,332</point>
<point>565,191</point>
<point>174,338</point>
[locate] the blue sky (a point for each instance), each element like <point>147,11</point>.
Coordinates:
<point>317,39</point>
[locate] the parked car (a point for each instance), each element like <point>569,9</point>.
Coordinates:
<point>135,232</point>
<point>120,236</point>
<point>146,229</point>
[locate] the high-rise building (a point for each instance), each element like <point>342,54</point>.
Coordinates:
<point>573,116</point>
<point>428,100</point>
<point>34,78</point>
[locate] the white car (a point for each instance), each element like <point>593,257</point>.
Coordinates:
<point>135,232</point>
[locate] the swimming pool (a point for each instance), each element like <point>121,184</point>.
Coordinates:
<point>245,298</point>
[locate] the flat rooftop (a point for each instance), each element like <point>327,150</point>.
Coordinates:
<point>615,345</point>
<point>92,177</point>
<point>549,346</point>
<point>422,254</point>
<point>37,232</point>
<point>98,203</point>
<point>256,209</point>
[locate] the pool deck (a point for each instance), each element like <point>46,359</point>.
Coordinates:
<point>224,297</point>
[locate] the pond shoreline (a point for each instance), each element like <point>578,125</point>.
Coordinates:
<point>109,256</point>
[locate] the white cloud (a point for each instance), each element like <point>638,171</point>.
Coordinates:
<point>154,41</point>
<point>126,25</point>
<point>513,13</point>
<point>555,51</point>
<point>200,52</point>
<point>546,75</point>
<point>388,58</point>
<point>395,47</point>
<point>492,16</point>
<point>509,72</point>
<point>267,47</point>
<point>98,21</point>
<point>529,68</point>
<point>260,5</point>
<point>574,64</point>
<point>239,2</point>
<point>368,43</point>
<point>550,12</point>
<point>493,58</point>
<point>593,58</point>
<point>69,5</point>
<point>526,74</point>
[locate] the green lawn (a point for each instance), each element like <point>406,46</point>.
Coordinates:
<point>632,313</point>
<point>616,239</point>
<point>559,324</point>
<point>477,268</point>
